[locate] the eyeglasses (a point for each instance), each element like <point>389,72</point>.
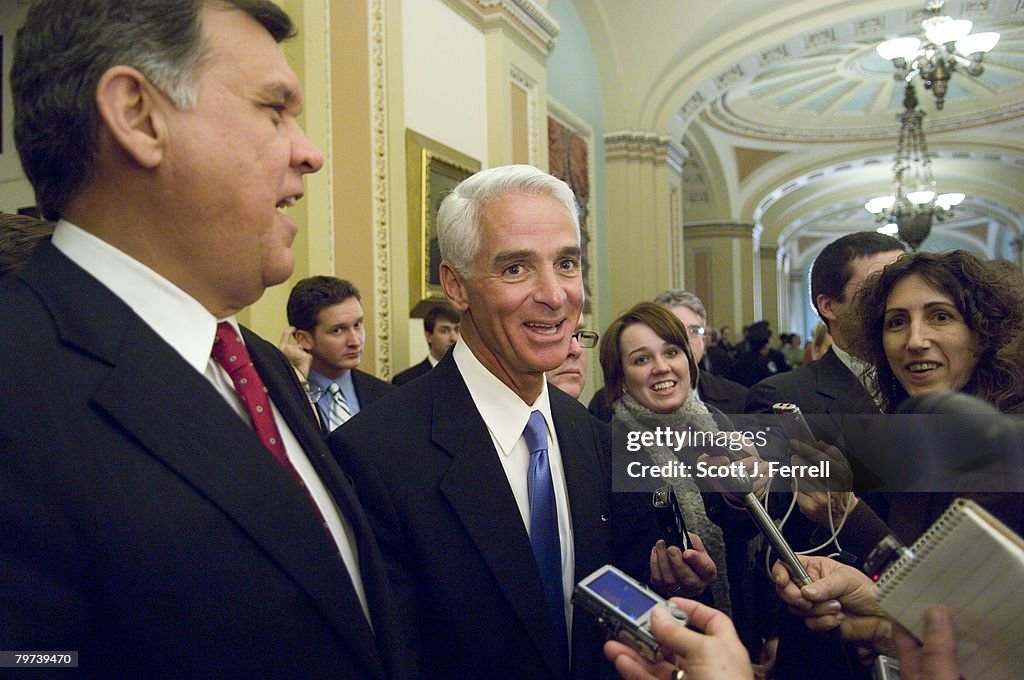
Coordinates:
<point>315,392</point>
<point>696,330</point>
<point>586,339</point>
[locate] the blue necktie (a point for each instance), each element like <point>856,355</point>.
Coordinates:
<point>544,522</point>
<point>340,411</point>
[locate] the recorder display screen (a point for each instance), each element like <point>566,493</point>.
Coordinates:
<point>626,597</point>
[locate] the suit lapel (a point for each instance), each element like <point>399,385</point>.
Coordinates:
<point>203,441</point>
<point>287,396</point>
<point>584,479</point>
<point>478,490</point>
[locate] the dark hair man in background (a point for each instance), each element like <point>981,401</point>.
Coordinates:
<point>168,507</point>
<point>832,384</point>
<point>441,328</point>
<point>19,237</point>
<point>328,317</point>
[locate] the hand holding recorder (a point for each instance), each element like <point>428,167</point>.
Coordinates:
<point>707,649</point>
<point>680,565</point>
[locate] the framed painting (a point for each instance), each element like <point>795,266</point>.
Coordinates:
<point>432,171</point>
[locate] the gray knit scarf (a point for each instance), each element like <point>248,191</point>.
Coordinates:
<point>693,414</point>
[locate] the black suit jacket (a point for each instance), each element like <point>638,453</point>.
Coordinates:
<point>369,388</point>
<point>824,387</point>
<point>828,392</point>
<point>727,396</point>
<point>411,373</point>
<point>458,555</point>
<point>145,525</point>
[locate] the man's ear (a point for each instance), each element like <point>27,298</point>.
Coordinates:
<point>453,287</point>
<point>304,339</point>
<point>134,113</point>
<point>824,304</point>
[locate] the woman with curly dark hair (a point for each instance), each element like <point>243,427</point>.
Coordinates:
<point>943,322</point>
<point>933,322</point>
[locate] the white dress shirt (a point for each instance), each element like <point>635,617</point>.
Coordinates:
<point>506,415</point>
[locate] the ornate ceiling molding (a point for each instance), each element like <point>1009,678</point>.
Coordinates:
<point>651,147</point>
<point>526,22</point>
<point>723,229</point>
<point>847,44</point>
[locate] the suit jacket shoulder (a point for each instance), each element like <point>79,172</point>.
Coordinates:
<point>411,373</point>
<point>822,386</point>
<point>127,479</point>
<point>369,388</point>
<point>725,395</point>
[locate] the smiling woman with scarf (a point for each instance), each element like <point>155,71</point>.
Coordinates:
<point>650,380</point>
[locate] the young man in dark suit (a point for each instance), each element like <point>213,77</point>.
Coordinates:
<point>441,328</point>
<point>831,388</point>
<point>832,385</point>
<point>327,314</point>
<point>168,507</point>
<point>485,533</point>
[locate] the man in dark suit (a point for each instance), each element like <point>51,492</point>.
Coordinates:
<point>441,328</point>
<point>827,390</point>
<point>327,314</point>
<point>484,546</point>
<point>832,385</point>
<point>162,514</point>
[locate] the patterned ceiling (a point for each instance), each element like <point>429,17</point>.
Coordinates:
<point>848,92</point>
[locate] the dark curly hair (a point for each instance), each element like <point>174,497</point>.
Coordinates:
<point>989,295</point>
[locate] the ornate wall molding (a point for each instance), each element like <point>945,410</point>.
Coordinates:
<point>723,229</point>
<point>381,232</point>
<point>644,147</point>
<point>527,23</point>
<point>523,81</point>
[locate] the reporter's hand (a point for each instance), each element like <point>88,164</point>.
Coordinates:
<point>935,659</point>
<point>840,596</point>
<point>709,649</point>
<point>686,573</point>
<point>735,486</point>
<point>815,505</point>
<point>840,475</point>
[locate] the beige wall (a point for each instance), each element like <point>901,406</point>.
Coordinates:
<point>726,257</point>
<point>15,191</point>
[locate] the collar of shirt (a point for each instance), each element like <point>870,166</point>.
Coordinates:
<point>504,413</point>
<point>172,313</point>
<point>432,360</point>
<point>863,370</point>
<point>345,383</point>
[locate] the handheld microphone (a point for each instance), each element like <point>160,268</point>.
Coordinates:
<point>776,539</point>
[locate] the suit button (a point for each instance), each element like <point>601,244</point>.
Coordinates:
<point>604,517</point>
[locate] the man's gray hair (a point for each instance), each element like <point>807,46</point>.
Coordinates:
<point>677,297</point>
<point>458,220</point>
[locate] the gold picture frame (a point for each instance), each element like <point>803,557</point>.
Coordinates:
<point>433,170</point>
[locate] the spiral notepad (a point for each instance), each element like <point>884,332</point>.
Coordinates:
<point>972,563</point>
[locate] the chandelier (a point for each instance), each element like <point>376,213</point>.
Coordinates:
<point>947,45</point>
<point>912,203</point>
